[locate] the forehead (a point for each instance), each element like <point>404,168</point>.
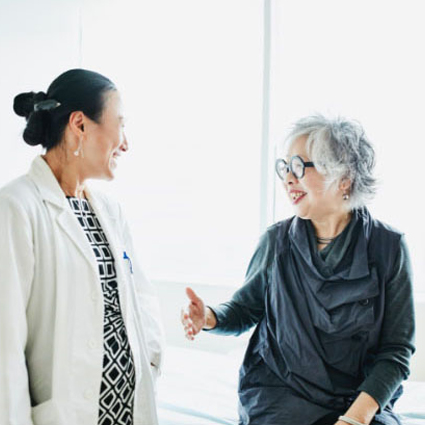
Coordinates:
<point>298,146</point>
<point>113,105</point>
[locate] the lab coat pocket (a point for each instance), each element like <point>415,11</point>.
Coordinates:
<point>150,313</point>
<point>48,413</point>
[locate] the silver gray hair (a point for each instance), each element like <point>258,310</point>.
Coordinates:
<point>339,149</point>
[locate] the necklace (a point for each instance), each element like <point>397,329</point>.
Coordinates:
<point>324,241</point>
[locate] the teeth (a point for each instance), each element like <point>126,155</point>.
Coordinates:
<point>296,195</point>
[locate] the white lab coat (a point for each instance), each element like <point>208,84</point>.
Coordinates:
<point>51,307</point>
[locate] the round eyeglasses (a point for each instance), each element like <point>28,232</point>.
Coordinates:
<point>296,166</point>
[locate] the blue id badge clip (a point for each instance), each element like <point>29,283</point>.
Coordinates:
<point>126,257</point>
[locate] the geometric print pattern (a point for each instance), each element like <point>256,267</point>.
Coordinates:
<point>117,389</point>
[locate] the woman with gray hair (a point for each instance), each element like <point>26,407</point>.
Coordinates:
<point>329,290</point>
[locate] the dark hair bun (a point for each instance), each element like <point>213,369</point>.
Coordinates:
<point>37,122</point>
<point>48,114</point>
<point>23,104</point>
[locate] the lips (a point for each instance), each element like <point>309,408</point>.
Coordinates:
<point>296,196</point>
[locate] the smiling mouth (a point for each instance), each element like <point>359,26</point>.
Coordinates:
<point>296,197</point>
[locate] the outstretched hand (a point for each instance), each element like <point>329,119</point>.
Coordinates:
<point>194,317</point>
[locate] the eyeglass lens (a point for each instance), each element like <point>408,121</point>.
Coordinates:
<point>296,165</point>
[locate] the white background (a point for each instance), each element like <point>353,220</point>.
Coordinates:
<point>191,75</point>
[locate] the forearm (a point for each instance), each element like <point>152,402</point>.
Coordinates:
<point>362,410</point>
<point>232,318</point>
<point>384,379</point>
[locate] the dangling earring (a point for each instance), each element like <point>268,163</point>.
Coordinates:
<point>346,196</point>
<point>79,149</point>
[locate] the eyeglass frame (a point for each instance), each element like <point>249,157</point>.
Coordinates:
<point>288,166</point>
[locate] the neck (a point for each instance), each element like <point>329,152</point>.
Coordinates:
<point>331,225</point>
<point>66,172</point>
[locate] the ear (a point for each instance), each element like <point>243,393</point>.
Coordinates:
<point>344,184</point>
<point>76,123</point>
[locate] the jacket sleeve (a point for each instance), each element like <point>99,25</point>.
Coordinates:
<point>16,275</point>
<point>246,307</point>
<point>148,300</point>
<point>391,364</point>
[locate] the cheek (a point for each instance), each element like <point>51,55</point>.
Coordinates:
<point>316,189</point>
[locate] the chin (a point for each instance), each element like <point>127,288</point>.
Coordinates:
<point>301,213</point>
<point>303,217</point>
<point>110,176</point>
<point>107,175</point>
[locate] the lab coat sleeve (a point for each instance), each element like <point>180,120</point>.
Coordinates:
<point>148,301</point>
<point>16,274</point>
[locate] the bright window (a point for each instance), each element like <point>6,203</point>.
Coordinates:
<point>190,73</point>
<point>360,59</point>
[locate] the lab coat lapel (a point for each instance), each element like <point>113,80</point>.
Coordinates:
<point>55,199</point>
<point>68,223</point>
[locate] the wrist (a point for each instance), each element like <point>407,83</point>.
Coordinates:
<point>350,421</point>
<point>210,319</point>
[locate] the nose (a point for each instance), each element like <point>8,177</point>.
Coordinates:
<point>124,144</point>
<point>289,178</point>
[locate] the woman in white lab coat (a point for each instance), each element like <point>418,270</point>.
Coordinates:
<point>80,339</point>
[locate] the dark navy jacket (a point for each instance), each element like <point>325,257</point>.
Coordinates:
<point>318,334</point>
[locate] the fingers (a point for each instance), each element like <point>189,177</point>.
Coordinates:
<point>194,317</point>
<point>188,325</point>
<point>192,296</point>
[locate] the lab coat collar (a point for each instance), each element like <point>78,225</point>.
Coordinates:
<point>51,192</point>
<point>42,175</point>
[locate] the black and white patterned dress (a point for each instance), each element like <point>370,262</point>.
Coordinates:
<point>118,379</point>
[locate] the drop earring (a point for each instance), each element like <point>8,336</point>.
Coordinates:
<point>79,149</point>
<point>346,196</point>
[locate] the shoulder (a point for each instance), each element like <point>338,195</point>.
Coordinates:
<point>279,229</point>
<point>19,206</point>
<point>20,192</point>
<point>375,230</point>
<point>385,242</point>
<point>385,231</point>
<point>275,232</point>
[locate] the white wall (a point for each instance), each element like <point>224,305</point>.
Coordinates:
<point>38,41</point>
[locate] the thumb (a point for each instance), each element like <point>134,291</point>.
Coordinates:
<point>192,296</point>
